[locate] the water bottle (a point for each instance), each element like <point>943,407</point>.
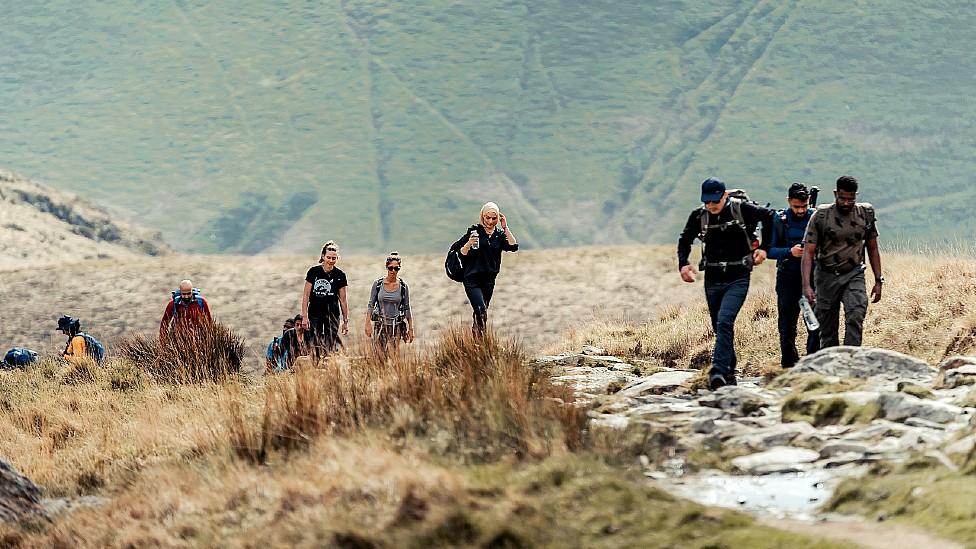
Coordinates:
<point>809,318</point>
<point>476,246</point>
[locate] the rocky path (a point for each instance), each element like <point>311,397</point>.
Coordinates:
<point>779,449</point>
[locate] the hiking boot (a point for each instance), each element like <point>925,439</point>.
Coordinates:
<point>716,382</point>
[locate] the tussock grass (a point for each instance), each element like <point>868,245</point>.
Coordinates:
<point>478,398</point>
<point>210,353</point>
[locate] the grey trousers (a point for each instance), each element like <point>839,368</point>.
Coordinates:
<point>833,291</point>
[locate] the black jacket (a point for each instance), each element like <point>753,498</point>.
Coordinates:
<point>725,245</point>
<point>487,259</point>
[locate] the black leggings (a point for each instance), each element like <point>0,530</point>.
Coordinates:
<point>479,289</point>
<point>325,336</point>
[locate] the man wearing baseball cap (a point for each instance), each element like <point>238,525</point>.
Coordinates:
<point>725,227</point>
<point>789,228</point>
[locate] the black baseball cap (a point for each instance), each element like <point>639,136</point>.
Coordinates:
<point>798,191</point>
<point>712,190</point>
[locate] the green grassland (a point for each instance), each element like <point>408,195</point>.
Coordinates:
<point>269,126</point>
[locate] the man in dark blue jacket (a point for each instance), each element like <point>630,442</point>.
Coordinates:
<point>789,228</point>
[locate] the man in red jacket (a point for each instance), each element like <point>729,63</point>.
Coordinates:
<point>186,311</point>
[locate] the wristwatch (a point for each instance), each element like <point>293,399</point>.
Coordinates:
<point>879,280</point>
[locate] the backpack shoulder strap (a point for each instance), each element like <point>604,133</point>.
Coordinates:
<point>703,216</point>
<point>736,206</point>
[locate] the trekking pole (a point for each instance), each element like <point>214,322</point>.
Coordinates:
<point>814,194</point>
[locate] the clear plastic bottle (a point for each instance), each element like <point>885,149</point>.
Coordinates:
<point>809,317</point>
<point>476,246</point>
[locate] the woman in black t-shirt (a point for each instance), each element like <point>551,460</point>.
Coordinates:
<point>481,250</point>
<point>324,300</point>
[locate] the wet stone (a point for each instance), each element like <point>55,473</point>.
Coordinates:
<point>777,460</point>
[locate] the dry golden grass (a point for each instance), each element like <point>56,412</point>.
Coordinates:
<point>923,313</point>
<point>540,294</point>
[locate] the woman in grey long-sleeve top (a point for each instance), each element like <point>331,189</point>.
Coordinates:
<point>388,315</point>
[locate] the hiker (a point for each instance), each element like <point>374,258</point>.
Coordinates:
<point>80,345</point>
<point>324,302</point>
<point>836,239</point>
<point>186,311</point>
<point>389,318</point>
<point>726,226</point>
<point>789,229</point>
<point>296,341</point>
<point>276,357</point>
<point>481,250</point>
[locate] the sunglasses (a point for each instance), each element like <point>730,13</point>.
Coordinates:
<point>713,202</point>
<point>393,269</point>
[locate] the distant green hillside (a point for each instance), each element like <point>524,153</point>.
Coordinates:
<point>270,126</point>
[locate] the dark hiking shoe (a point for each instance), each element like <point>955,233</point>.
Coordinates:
<point>716,382</point>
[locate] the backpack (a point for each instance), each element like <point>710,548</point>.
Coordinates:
<point>454,265</point>
<point>93,347</point>
<point>18,357</point>
<point>197,296</point>
<point>736,198</point>
<point>277,356</point>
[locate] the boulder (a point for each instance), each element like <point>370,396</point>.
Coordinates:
<point>20,499</point>
<point>957,377</point>
<point>900,407</point>
<point>782,459</point>
<point>590,350</point>
<point>866,363</point>
<point>954,362</point>
<point>772,437</point>
<point>742,401</point>
<point>658,383</point>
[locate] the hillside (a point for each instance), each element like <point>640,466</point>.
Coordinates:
<point>271,127</point>
<point>39,225</point>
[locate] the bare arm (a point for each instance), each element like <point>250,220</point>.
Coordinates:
<point>874,256</point>
<point>806,268</point>
<point>344,306</point>
<point>305,296</point>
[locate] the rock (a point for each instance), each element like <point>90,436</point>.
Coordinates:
<point>866,363</point>
<point>609,421</point>
<point>772,437</point>
<point>558,360</point>
<point>600,361</point>
<point>782,459</point>
<point>957,377</point>
<point>955,362</point>
<point>962,446</point>
<point>704,426</point>
<point>899,407</point>
<point>925,424</point>
<point>836,449</point>
<point>658,383</point>
<point>20,499</point>
<point>737,400</point>
<point>589,350</point>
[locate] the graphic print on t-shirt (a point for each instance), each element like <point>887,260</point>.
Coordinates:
<point>322,288</point>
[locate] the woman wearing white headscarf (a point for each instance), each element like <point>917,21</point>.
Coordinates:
<point>481,250</point>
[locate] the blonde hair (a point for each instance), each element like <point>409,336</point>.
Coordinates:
<point>393,256</point>
<point>489,206</point>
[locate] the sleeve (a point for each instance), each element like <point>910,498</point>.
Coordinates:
<point>167,317</point>
<point>812,235</point>
<point>309,276</point>
<point>461,241</point>
<point>871,227</point>
<point>342,281</point>
<point>206,309</point>
<point>777,250</point>
<point>766,236</point>
<point>374,295</point>
<point>509,247</point>
<point>687,238</point>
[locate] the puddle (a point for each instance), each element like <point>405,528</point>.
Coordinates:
<point>793,495</point>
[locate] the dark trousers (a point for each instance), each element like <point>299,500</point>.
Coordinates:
<point>725,299</point>
<point>833,291</point>
<point>479,289</point>
<point>325,336</point>
<point>789,290</point>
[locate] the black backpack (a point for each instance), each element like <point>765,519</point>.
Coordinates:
<point>737,197</point>
<point>18,357</point>
<point>454,265</point>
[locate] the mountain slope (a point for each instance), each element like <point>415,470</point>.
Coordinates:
<point>39,225</point>
<point>260,127</point>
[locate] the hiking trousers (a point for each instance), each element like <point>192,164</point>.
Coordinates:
<point>833,291</point>
<point>479,289</point>
<point>325,336</point>
<point>789,290</point>
<point>725,300</point>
